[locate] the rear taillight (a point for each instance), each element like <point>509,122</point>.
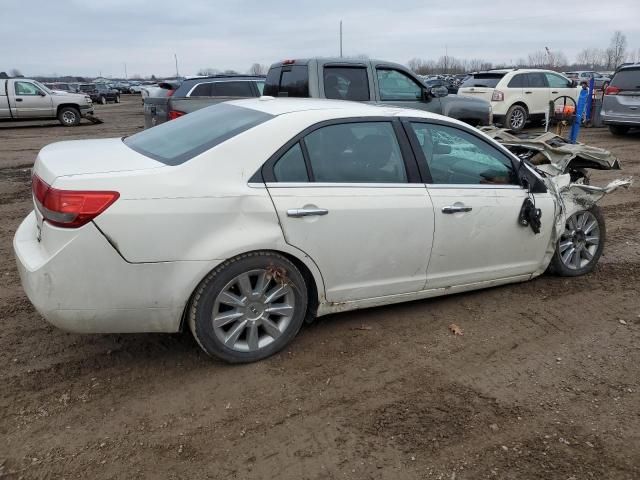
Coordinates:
<point>69,208</point>
<point>497,96</point>
<point>612,90</point>
<point>173,114</point>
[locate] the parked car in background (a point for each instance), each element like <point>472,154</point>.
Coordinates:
<point>25,99</point>
<point>436,82</point>
<point>63,87</point>
<point>240,220</point>
<point>373,81</point>
<point>135,89</point>
<point>621,100</point>
<point>519,96</point>
<point>122,87</point>
<point>101,93</point>
<point>196,93</point>
<point>583,77</point>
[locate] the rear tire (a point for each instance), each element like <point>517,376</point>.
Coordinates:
<point>69,116</point>
<point>580,245</point>
<point>516,118</point>
<point>103,100</point>
<point>249,307</point>
<point>619,130</point>
<point>117,100</point>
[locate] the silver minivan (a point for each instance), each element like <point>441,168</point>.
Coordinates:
<point>621,101</point>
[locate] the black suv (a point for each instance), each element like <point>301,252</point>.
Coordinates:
<point>100,93</point>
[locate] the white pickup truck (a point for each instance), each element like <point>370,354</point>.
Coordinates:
<point>23,99</point>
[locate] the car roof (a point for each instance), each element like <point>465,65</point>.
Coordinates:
<point>334,108</point>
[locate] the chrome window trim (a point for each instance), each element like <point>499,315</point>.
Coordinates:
<point>216,81</point>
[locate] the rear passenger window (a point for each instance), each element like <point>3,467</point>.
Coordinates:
<point>232,89</point>
<point>291,167</point>
<point>346,83</point>
<point>202,90</point>
<point>536,80</point>
<point>628,79</point>
<point>518,81</point>
<point>366,152</point>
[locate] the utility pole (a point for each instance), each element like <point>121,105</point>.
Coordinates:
<point>177,72</point>
<point>340,38</point>
<point>125,71</point>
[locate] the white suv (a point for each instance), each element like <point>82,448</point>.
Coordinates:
<point>519,95</point>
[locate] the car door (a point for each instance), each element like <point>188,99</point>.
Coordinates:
<point>476,200</point>
<point>348,195</point>
<point>397,88</point>
<point>31,101</point>
<point>560,86</point>
<point>536,93</point>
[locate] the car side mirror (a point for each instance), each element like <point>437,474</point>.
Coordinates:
<point>574,84</point>
<point>440,91</point>
<point>41,93</point>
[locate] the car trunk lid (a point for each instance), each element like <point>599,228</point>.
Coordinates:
<point>89,157</point>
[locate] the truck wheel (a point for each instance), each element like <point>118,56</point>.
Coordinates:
<point>103,100</point>
<point>117,99</point>
<point>516,118</point>
<point>69,116</point>
<point>618,129</point>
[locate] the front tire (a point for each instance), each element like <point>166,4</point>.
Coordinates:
<point>580,245</point>
<point>117,100</point>
<point>69,116</point>
<point>103,100</point>
<point>516,118</point>
<point>618,130</point>
<point>249,307</point>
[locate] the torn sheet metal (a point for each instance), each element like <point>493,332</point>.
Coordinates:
<point>551,153</point>
<point>572,197</point>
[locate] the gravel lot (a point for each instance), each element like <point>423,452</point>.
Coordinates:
<point>544,384</point>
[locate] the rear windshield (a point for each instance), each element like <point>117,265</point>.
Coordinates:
<point>288,81</point>
<point>627,79</point>
<point>489,80</point>
<point>176,141</point>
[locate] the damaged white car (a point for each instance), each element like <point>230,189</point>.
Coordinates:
<point>240,220</point>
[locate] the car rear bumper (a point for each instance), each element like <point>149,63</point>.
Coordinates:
<point>78,282</point>
<point>618,119</point>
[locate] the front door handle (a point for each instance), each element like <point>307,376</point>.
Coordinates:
<point>452,209</point>
<point>306,212</point>
<point>18,99</point>
<point>528,92</point>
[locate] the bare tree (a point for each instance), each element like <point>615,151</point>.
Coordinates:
<point>14,72</point>
<point>537,59</point>
<point>618,48</point>
<point>207,72</point>
<point>258,69</point>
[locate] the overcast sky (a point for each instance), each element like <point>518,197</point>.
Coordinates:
<point>93,37</point>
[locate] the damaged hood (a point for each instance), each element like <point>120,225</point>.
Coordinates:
<point>553,154</point>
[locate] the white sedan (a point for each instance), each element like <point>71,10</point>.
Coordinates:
<point>240,220</point>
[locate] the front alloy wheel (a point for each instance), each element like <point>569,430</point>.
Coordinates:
<point>249,307</point>
<point>580,244</point>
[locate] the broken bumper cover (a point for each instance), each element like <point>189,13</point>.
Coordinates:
<point>80,296</point>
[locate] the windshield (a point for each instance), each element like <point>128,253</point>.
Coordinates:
<point>489,80</point>
<point>176,141</point>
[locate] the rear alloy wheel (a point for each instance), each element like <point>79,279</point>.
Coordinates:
<point>516,118</point>
<point>249,307</point>
<point>618,129</point>
<point>69,116</point>
<point>103,100</point>
<point>580,245</point>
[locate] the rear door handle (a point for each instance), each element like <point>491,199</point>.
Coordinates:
<point>528,92</point>
<point>18,99</point>
<point>554,92</point>
<point>306,212</point>
<point>452,209</point>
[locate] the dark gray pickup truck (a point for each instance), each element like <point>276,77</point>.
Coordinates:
<point>196,93</point>
<point>373,81</point>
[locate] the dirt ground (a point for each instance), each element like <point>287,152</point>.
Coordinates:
<point>544,384</point>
